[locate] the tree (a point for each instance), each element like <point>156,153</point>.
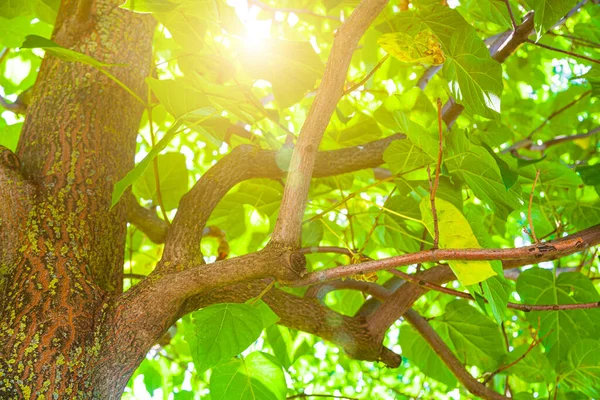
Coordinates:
<point>373,175</point>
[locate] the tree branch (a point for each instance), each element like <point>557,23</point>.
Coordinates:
<point>145,220</point>
<point>562,139</point>
<point>448,358</point>
<point>528,142</point>
<point>569,53</point>
<point>288,227</point>
<point>246,162</point>
<point>521,255</point>
<point>514,306</point>
<point>402,299</point>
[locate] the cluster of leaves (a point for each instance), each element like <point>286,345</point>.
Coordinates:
<point>244,73</point>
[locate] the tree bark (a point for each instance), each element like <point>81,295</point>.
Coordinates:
<point>62,249</point>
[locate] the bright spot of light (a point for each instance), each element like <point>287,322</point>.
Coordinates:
<point>257,30</point>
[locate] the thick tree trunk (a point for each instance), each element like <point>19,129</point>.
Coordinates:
<point>61,249</point>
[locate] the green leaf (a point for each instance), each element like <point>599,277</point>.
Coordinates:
<point>173,175</point>
<point>34,41</point>
<point>278,60</point>
<point>561,328</point>
<point>403,156</point>
<point>257,377</point>
<point>582,369</point>
<point>479,169</point>
<point>281,342</point>
<point>475,79</point>
<point>132,176</point>
<point>395,111</point>
<point>418,351</point>
<point>476,339</point>
<point>149,6</point>
<point>421,48</point>
<point>221,331</point>
<point>267,315</point>
<point>593,78</point>
<point>456,233</point>
<point>360,129</point>
<point>590,174</point>
<point>533,368</point>
<point>178,96</point>
<point>346,302</point>
<point>549,12</point>
<point>14,8</point>
<point>152,378</point>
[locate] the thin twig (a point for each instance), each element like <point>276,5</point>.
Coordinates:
<point>563,138</point>
<point>531,228</point>
<point>436,229</point>
<point>570,53</point>
<point>558,112</point>
<point>368,76</point>
<point>527,142</point>
<point>512,17</point>
<point>533,344</point>
<point>514,306</point>
<point>575,39</point>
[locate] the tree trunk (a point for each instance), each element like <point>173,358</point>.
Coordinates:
<point>61,249</point>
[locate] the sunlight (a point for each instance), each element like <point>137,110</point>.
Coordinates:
<point>257,30</point>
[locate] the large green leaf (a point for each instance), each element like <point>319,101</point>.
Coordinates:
<point>257,377</point>
<point>456,233</point>
<point>561,328</point>
<point>219,332</point>
<point>278,61</point>
<point>346,302</point>
<point>418,351</point>
<point>413,105</point>
<point>582,368</point>
<point>403,156</point>
<point>533,368</point>
<point>476,339</point>
<point>479,169</point>
<point>173,175</point>
<point>14,8</point>
<point>475,78</point>
<point>549,12</point>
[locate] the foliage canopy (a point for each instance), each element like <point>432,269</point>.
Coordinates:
<point>519,167</point>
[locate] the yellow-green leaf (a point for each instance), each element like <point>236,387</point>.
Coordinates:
<point>424,47</point>
<point>456,233</point>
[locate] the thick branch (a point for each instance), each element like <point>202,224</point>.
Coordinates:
<point>288,227</point>
<point>246,162</point>
<point>448,358</point>
<point>145,220</point>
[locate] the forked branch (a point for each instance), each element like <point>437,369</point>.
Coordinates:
<point>288,227</point>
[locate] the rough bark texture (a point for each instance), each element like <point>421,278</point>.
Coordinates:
<point>62,249</point>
